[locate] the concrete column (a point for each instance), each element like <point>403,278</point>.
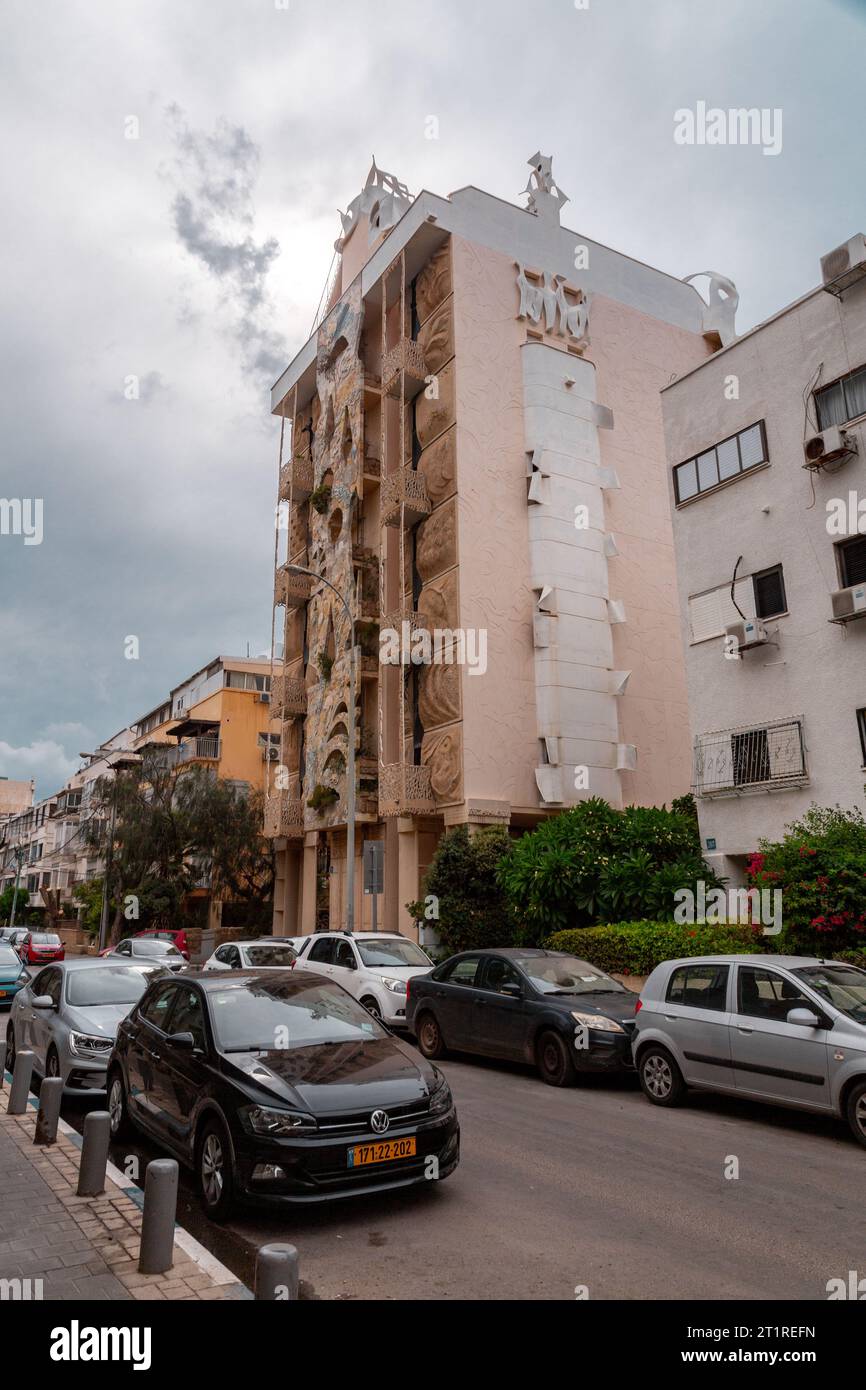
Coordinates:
<point>391,895</point>
<point>292,890</point>
<point>308,883</point>
<point>407,872</point>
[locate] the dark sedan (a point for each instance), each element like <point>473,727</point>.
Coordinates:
<point>279,1086</point>
<point>543,1007</point>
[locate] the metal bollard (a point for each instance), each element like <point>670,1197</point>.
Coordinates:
<point>277,1273</point>
<point>94,1153</point>
<point>2,1063</point>
<point>22,1075</point>
<point>156,1254</point>
<point>48,1115</point>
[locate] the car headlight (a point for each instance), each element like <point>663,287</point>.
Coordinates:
<point>87,1045</point>
<point>597,1021</point>
<point>277,1123</point>
<point>441,1099</point>
<point>395,986</point>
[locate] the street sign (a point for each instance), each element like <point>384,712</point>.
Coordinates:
<point>374,866</point>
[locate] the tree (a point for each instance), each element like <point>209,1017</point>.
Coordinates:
<point>462,879</point>
<point>89,895</point>
<point>6,898</point>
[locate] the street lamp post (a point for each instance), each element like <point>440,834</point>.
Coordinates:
<point>350,798</point>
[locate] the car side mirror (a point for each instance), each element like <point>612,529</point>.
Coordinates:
<point>184,1040</point>
<point>513,991</point>
<point>805,1018</point>
<point>42,1001</point>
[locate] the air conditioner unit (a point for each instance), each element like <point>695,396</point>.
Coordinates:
<point>748,633</point>
<point>272,755</point>
<point>830,444</point>
<point>263,697</point>
<point>849,603</point>
<point>845,265</point>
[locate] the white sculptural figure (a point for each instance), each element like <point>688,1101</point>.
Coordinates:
<point>546,198</point>
<point>719,314</point>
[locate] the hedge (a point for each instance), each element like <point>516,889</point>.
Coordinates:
<point>636,948</point>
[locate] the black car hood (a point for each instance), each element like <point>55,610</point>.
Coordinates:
<point>610,1003</point>
<point>333,1077</point>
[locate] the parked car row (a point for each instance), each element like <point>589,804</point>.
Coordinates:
<point>33,947</point>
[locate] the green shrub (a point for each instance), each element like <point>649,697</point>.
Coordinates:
<point>636,948</point>
<point>322,797</point>
<point>595,864</point>
<point>820,867</point>
<point>320,498</point>
<point>462,880</point>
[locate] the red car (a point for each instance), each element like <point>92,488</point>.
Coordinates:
<point>176,938</point>
<point>40,948</point>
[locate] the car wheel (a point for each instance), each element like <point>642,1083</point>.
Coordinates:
<point>10,1046</point>
<point>372,1007</point>
<point>52,1062</point>
<point>118,1114</point>
<point>429,1036</point>
<point>555,1065</point>
<point>660,1077</point>
<point>214,1170</point>
<point>856,1109</point>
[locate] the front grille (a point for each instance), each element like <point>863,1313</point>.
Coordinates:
<point>359,1120</point>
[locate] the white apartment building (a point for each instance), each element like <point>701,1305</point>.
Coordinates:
<point>767,450</point>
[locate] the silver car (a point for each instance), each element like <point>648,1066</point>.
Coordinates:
<point>266,953</point>
<point>786,1029</point>
<point>147,950</point>
<point>67,1015</point>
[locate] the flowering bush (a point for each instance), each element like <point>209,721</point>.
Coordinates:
<point>820,867</point>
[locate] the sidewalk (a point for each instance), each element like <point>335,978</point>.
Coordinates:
<point>85,1247</point>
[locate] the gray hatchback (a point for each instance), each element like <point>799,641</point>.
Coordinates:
<point>786,1029</point>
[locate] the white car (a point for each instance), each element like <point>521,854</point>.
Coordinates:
<point>267,953</point>
<point>146,950</point>
<point>373,966</point>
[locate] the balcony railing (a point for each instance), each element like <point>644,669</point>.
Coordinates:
<point>199,750</point>
<point>761,758</point>
<point>404,499</point>
<point>288,697</point>
<point>407,358</point>
<point>284,815</point>
<point>296,479</point>
<point>405,790</point>
<point>293,590</point>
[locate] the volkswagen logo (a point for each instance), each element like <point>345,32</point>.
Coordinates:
<point>379,1121</point>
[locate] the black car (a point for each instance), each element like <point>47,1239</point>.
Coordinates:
<point>279,1086</point>
<point>544,1007</point>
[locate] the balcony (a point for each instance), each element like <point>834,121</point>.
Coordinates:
<point>394,621</point>
<point>404,499</point>
<point>284,815</point>
<point>296,479</point>
<point>765,758</point>
<point>405,790</point>
<point>198,750</point>
<point>403,367</point>
<point>292,590</point>
<point>289,697</point>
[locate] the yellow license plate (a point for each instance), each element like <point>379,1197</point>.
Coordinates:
<point>385,1151</point>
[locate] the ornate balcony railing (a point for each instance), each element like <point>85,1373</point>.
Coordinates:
<point>407,358</point>
<point>293,590</point>
<point>288,697</point>
<point>405,790</point>
<point>296,480</point>
<point>768,757</point>
<point>284,815</point>
<point>404,494</point>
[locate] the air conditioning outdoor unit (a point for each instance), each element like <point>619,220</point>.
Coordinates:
<point>263,697</point>
<point>849,603</point>
<point>748,633</point>
<point>272,755</point>
<point>846,265</point>
<point>832,443</point>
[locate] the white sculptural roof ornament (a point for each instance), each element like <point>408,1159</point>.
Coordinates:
<point>383,196</point>
<point>546,198</point>
<point>720,312</point>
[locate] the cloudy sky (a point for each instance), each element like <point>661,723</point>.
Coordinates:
<point>170,180</point>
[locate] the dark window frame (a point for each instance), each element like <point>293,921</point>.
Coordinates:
<point>762,574</point>
<point>823,391</point>
<point>842,548</point>
<point>861,725</point>
<point>713,448</point>
<point>685,970</point>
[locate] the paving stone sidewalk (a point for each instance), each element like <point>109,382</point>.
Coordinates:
<point>83,1247</point>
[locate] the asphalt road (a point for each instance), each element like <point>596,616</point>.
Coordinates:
<point>590,1186</point>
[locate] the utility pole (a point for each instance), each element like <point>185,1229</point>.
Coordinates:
<point>19,859</point>
<point>109,851</point>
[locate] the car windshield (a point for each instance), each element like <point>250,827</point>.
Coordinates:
<point>262,1015</point>
<point>567,975</point>
<point>91,986</point>
<point>151,947</point>
<point>7,956</point>
<point>843,986</point>
<point>271,955</point>
<point>44,938</point>
<point>393,951</point>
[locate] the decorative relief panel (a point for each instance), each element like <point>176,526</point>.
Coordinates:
<point>432,416</point>
<point>438,463</point>
<point>434,282</point>
<point>439,695</point>
<point>436,337</point>
<point>442,753</point>
<point>436,548</point>
<point>438,604</point>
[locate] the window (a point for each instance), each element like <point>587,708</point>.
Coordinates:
<point>462,972</point>
<point>499,972</point>
<point>247,680</point>
<point>770,592</point>
<point>736,455</point>
<point>750,753</point>
<point>344,956</point>
<point>699,986</point>
<point>844,400</point>
<point>764,994</point>
<point>861,725</point>
<point>187,1017</point>
<point>49,983</point>
<point>322,951</point>
<point>155,1009</point>
<point>851,557</point>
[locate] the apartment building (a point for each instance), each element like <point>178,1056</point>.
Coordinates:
<point>472,464</point>
<point>767,452</point>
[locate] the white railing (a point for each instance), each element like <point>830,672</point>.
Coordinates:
<point>751,758</point>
